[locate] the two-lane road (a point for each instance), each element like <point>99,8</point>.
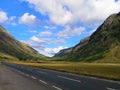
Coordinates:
<point>54,80</point>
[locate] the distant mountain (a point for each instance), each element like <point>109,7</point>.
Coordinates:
<point>10,46</point>
<point>64,52</point>
<point>103,45</point>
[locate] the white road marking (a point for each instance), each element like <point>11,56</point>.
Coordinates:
<point>16,70</point>
<point>22,73</point>
<point>27,75</point>
<point>19,71</point>
<point>69,79</point>
<point>95,78</point>
<point>42,81</point>
<point>83,76</point>
<point>33,77</point>
<point>42,72</point>
<point>56,87</point>
<point>110,88</point>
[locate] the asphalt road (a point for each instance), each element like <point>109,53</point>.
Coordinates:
<point>54,80</point>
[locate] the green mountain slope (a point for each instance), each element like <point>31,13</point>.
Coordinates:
<point>101,43</point>
<point>10,46</point>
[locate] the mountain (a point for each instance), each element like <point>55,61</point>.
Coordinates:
<point>9,46</point>
<point>103,45</point>
<point>64,52</point>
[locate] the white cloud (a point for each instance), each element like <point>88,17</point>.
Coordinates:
<point>29,19</point>
<point>3,17</point>
<point>64,12</point>
<point>92,31</point>
<point>46,33</point>
<point>52,51</point>
<point>46,27</point>
<point>71,32</point>
<point>72,15</point>
<point>42,41</point>
<point>54,9</point>
<point>36,40</point>
<point>33,31</point>
<point>50,27</point>
<point>12,18</point>
<point>48,51</point>
<point>13,23</point>
<point>40,45</point>
<point>59,41</point>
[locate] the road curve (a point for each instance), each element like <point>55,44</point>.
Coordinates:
<point>54,80</point>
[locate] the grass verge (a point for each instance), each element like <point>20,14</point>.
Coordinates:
<point>102,70</point>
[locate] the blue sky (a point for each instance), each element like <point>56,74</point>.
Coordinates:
<point>51,25</point>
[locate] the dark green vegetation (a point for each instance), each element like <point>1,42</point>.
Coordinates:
<point>102,46</point>
<point>10,48</point>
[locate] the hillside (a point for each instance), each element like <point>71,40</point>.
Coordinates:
<point>69,50</point>
<point>10,46</point>
<point>103,44</point>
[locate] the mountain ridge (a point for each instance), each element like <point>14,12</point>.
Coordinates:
<point>10,46</point>
<point>99,44</point>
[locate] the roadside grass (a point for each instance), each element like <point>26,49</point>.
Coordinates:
<point>5,57</point>
<point>101,70</point>
<point>113,56</point>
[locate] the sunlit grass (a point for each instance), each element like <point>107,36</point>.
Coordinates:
<point>102,70</point>
<point>6,57</point>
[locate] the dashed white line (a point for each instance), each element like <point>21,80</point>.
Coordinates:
<point>19,71</point>
<point>22,73</point>
<point>16,70</point>
<point>27,75</point>
<point>33,77</point>
<point>88,77</point>
<point>96,78</point>
<point>110,88</point>
<point>42,81</point>
<point>42,72</point>
<point>69,79</point>
<point>56,87</point>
